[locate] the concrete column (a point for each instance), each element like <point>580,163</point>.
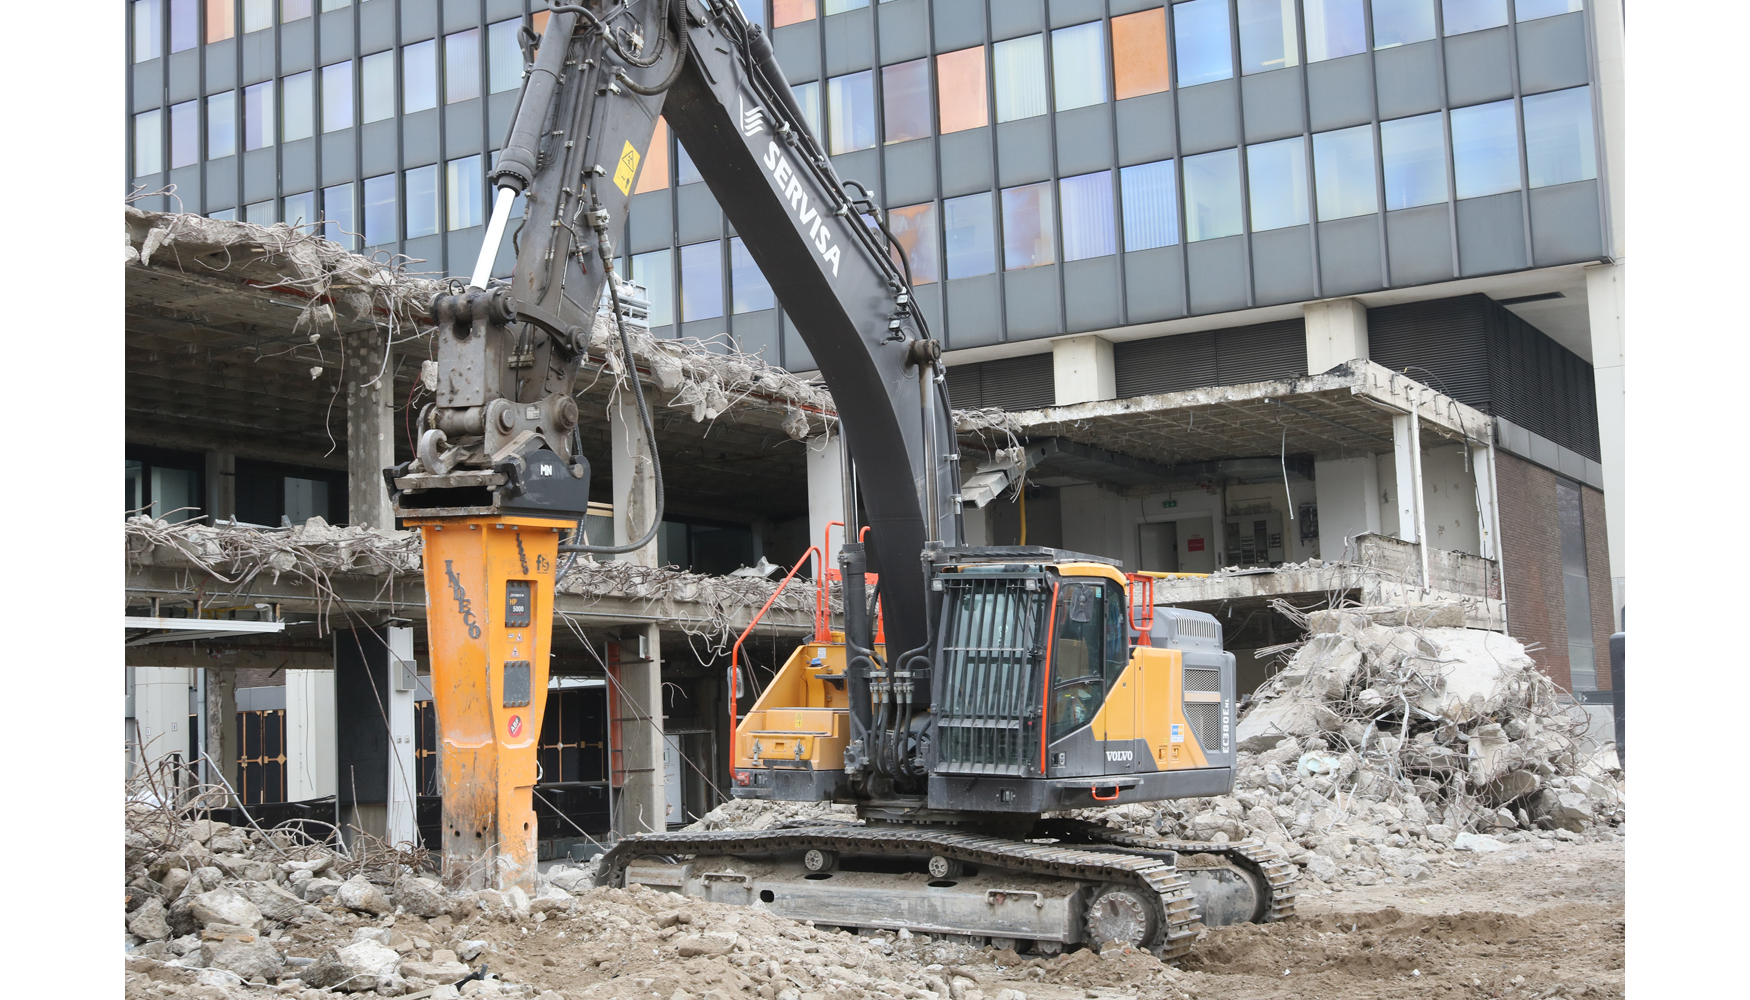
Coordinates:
<point>826,494</point>
<point>222,735</point>
<point>634,483</point>
<point>1604,303</point>
<point>1336,332</point>
<point>310,735</point>
<point>370,430</point>
<point>1348,499</point>
<point>975,522</point>
<point>1482,460</point>
<point>1407,443</point>
<point>221,485</point>
<point>643,797</point>
<point>1082,370</point>
<point>403,826</point>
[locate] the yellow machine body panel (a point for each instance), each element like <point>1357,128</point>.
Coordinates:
<point>803,715</point>
<point>1147,703</point>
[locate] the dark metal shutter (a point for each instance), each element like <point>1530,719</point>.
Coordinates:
<point>1164,364</point>
<point>1442,343</point>
<point>1261,353</point>
<point>1539,384</point>
<point>1024,383</point>
<point>963,387</point>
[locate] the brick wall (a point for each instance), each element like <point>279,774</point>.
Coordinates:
<point>1532,541</point>
<point>1598,578</point>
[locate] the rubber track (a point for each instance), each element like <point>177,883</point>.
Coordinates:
<point>1176,910</point>
<point>1266,861</point>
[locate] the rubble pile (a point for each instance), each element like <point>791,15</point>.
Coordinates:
<point>1393,736</point>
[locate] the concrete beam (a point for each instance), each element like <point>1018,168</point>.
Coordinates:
<point>638,709</point>
<point>634,484</point>
<point>310,734</point>
<point>370,429</point>
<point>1412,518</point>
<point>207,655</point>
<point>1336,332</point>
<point>1082,370</point>
<point>826,494</point>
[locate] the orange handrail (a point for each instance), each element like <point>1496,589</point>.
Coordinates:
<point>1145,586</point>
<point>735,651</point>
<point>823,579</point>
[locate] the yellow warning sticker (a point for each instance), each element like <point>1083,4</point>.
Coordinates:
<point>627,170</point>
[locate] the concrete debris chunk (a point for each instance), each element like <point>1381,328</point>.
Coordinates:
<point>359,893</point>
<point>420,896</point>
<point>274,902</point>
<point>224,906</point>
<point>360,966</point>
<point>149,921</point>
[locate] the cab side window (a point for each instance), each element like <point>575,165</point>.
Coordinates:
<point>1078,677</point>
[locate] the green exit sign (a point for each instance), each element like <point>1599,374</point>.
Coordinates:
<point>1169,503</point>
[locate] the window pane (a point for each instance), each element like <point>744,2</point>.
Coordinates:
<point>377,86</point>
<point>184,25</point>
<point>221,125</point>
<point>380,210</point>
<point>504,58</point>
<point>653,171</point>
<point>1078,65</point>
<point>1413,151</point>
<point>419,76</point>
<point>1460,16</point>
<point>148,142</point>
<point>1087,216</point>
<point>335,4</point>
<point>701,281</point>
<point>185,133</point>
<point>970,235</point>
<point>808,99</point>
<point>296,110</point>
<point>337,224</point>
<point>422,201</point>
<point>260,213</point>
<point>1267,39</point>
<point>1558,137</point>
<point>1276,172</point>
<point>1343,173</point>
<point>840,6</point>
<point>791,12</point>
<point>1029,237</point>
<point>464,192</point>
<point>1200,33</point>
<point>220,23</point>
<point>1212,195</point>
<point>960,93</point>
<point>337,96</point>
<point>1019,68</point>
<point>300,209</point>
<point>1523,10</point>
<point>148,29</point>
<point>1151,205</point>
<point>257,14</point>
<point>224,215</point>
<point>685,172</point>
<point>1485,151</point>
<point>1139,53</point>
<point>851,112</point>
<point>1400,22</point>
<point>1334,28</point>
<point>747,285</point>
<point>656,273</point>
<point>462,66</point>
<point>292,10</point>
<point>258,115</point>
<point>905,100</point>
<point>914,228</point>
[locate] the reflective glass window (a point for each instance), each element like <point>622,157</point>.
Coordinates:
<point>380,211</point>
<point>419,76</point>
<point>1151,205</point>
<point>297,107</point>
<point>960,90</point>
<point>148,142</point>
<point>259,213</point>
<point>840,6</point>
<point>504,57</point>
<point>1088,229</point>
<point>653,169</point>
<point>335,4</point>
<point>465,193</point>
<point>1334,28</point>
<point>462,66</point>
<point>905,100</point>
<point>300,210</point>
<point>1139,53</point>
<point>1202,41</point>
<point>914,227</point>
<point>377,86</point>
<point>749,291</point>
<point>1485,150</point>
<point>1078,65</point>
<point>685,172</point>
<point>1460,16</point>
<point>221,124</point>
<point>292,10</point>
<point>1267,38</point>
<point>337,96</point>
<point>1276,180</point>
<point>1531,10</point>
<point>655,271</point>
<point>257,15</point>
<point>1558,137</point>
<point>223,215</point>
<point>808,99</point>
<point>1018,65</point>
<point>1401,22</point>
<point>702,280</point>
<point>851,112</point>
<point>221,23</point>
<point>185,133</point>
<point>791,12</point>
<point>1343,173</point>
<point>969,230</point>
<point>1413,154</point>
<point>1212,195</point>
<point>1029,226</point>
<point>185,29</point>
<point>258,115</point>
<point>422,201</point>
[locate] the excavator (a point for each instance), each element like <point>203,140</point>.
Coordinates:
<point>1010,685</point>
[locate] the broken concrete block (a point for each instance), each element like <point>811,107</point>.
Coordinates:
<point>435,971</point>
<point>1481,843</point>
<point>360,966</point>
<point>469,950</point>
<point>420,896</point>
<point>224,906</point>
<point>274,902</point>
<point>1321,867</point>
<point>714,943</point>
<point>150,920</point>
<point>252,958</point>
<point>358,893</point>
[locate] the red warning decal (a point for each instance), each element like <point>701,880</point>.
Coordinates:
<point>516,725</point>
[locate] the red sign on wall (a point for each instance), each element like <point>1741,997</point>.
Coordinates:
<point>1194,544</point>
